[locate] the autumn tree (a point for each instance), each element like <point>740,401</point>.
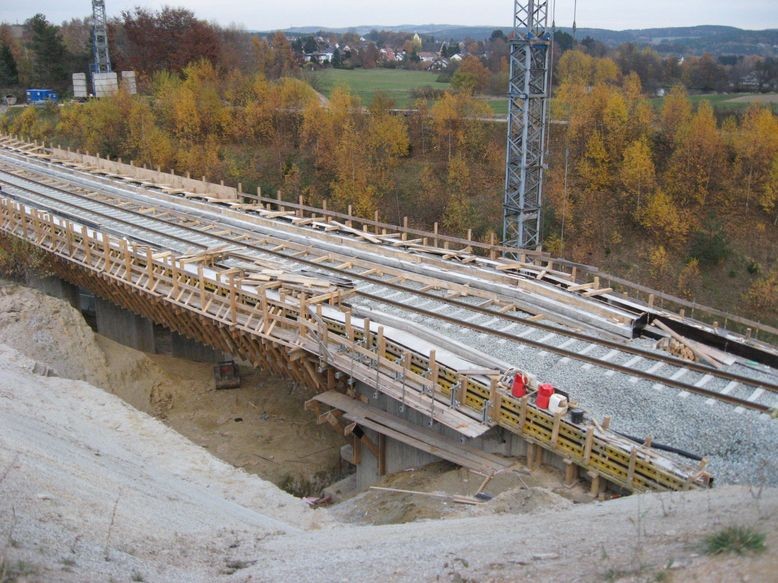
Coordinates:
<point>471,76</point>
<point>459,214</point>
<point>274,55</point>
<point>663,219</point>
<point>168,39</point>
<point>756,150</point>
<point>638,175</point>
<point>386,141</point>
<point>695,165</point>
<point>457,121</point>
<point>675,115</point>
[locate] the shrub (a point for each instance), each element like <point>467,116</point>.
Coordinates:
<point>735,539</point>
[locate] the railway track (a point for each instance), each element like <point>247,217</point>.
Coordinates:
<point>176,229</point>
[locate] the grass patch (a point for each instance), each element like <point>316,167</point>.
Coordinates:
<point>396,83</point>
<point>12,571</point>
<point>735,539</point>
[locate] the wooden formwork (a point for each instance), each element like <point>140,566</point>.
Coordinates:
<point>308,334</point>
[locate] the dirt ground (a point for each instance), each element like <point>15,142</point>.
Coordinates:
<point>260,427</point>
<point>516,491</point>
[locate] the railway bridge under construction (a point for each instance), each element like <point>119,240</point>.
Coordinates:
<point>414,345</point>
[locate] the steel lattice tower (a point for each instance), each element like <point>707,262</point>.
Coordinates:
<point>102,60</point>
<point>530,48</point>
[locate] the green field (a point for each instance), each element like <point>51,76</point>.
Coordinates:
<point>395,83</point>
<point>730,102</point>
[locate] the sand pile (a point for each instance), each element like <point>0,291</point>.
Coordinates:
<point>52,332</point>
<point>511,492</point>
<point>261,427</point>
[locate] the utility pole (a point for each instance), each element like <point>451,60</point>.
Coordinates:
<point>528,90</point>
<point>102,60</point>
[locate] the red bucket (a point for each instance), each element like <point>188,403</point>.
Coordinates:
<point>544,394</point>
<point>519,387</point>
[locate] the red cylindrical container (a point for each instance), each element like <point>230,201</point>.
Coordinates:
<point>544,394</point>
<point>518,389</point>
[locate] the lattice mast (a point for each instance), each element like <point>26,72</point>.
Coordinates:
<point>528,91</point>
<point>102,60</point>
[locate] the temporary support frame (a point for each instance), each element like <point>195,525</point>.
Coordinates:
<point>284,328</point>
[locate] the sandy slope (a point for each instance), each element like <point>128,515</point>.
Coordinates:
<point>70,453</point>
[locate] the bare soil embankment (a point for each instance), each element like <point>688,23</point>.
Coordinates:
<point>261,427</point>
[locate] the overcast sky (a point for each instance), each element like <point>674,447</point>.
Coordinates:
<point>269,15</point>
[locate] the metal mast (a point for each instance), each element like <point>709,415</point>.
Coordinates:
<point>527,95</point>
<point>102,60</point>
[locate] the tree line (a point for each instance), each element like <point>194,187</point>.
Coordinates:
<point>671,194</point>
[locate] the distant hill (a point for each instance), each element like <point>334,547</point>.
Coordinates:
<point>718,40</point>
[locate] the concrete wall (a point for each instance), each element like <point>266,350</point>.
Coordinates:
<point>182,347</point>
<point>124,327</point>
<point>55,287</point>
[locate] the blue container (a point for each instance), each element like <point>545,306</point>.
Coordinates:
<point>41,95</point>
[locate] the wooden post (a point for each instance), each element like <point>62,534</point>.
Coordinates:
<point>349,327</point>
<point>303,317</point>
<point>106,252</point>
<point>555,430</point>
<point>571,473</point>
<point>531,456</point>
<point>523,412</point>
<point>633,457</point>
<point>201,283</point>
<point>348,222</point>
<point>150,267</point>
<point>435,231</point>
<point>233,301</point>
<point>367,336</point>
<point>405,229</point>
<point>381,342</point>
<point>87,246</point>
<point>433,368</point>
<point>492,243</point>
<point>300,212</point>
<point>356,448</point>
<point>375,218</point>
<point>381,454</point>
<point>69,229</point>
<point>127,262</point>
<point>588,444</point>
<point>596,485</point>
<point>494,399</point>
<point>174,274</point>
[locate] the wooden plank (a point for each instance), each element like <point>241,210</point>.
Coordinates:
<point>426,440</point>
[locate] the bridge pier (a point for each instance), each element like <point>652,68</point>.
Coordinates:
<point>54,286</point>
<point>182,347</point>
<point>123,326</point>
